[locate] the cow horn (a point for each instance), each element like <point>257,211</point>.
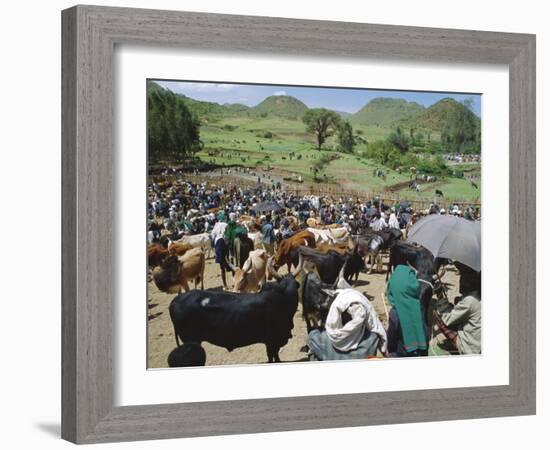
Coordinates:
<point>341,274</point>
<point>272,270</point>
<point>300,265</point>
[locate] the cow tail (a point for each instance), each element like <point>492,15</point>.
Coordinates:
<point>176,335</point>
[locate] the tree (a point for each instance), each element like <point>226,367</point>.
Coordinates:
<point>172,131</point>
<point>322,122</point>
<point>345,137</point>
<point>400,140</point>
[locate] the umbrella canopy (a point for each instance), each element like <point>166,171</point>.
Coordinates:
<point>405,205</point>
<point>266,207</point>
<point>449,237</point>
<point>371,212</point>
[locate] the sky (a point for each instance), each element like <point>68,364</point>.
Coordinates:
<point>338,99</point>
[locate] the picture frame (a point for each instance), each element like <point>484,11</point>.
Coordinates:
<point>90,34</point>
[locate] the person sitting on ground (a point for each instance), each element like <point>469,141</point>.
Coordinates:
<point>406,327</point>
<point>353,330</point>
<point>461,323</point>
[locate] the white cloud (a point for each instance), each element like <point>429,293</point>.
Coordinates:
<point>182,87</point>
<point>208,87</point>
<point>279,93</point>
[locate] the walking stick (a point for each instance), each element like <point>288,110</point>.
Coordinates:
<point>385,306</point>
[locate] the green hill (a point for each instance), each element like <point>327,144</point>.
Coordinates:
<point>205,110</point>
<point>384,112</point>
<point>281,106</point>
<point>439,116</point>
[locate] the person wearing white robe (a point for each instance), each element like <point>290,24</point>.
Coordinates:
<point>359,337</point>
<point>393,222</point>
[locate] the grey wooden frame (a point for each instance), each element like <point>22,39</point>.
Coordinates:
<point>89,37</point>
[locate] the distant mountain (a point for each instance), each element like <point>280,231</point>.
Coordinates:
<point>344,114</point>
<point>205,110</point>
<point>439,115</point>
<point>282,106</point>
<point>386,111</point>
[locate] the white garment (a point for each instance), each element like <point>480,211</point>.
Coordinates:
<point>378,225</point>
<point>347,337</point>
<point>218,231</point>
<point>393,223</point>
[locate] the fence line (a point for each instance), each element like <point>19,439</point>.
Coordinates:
<point>228,182</point>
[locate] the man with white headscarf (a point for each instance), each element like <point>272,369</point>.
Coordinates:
<point>353,330</point>
<point>393,222</point>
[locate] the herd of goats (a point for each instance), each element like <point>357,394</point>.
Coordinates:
<point>261,304</point>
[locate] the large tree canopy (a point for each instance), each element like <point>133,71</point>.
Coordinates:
<point>345,137</point>
<point>172,131</point>
<point>322,122</point>
<point>399,140</point>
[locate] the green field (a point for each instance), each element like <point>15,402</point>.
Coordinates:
<point>241,141</point>
<point>272,136</point>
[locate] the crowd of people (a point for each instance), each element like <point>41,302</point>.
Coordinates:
<point>190,208</point>
<point>353,329</point>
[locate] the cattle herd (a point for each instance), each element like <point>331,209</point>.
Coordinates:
<point>298,253</point>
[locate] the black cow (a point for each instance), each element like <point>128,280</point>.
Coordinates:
<point>315,299</point>
<point>329,264</point>
<point>242,246</point>
<point>190,354</point>
<point>372,243</point>
<point>233,320</point>
<point>439,193</point>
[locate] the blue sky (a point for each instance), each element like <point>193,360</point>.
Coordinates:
<point>348,100</point>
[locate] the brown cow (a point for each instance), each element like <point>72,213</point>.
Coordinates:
<point>253,273</point>
<point>178,249</point>
<point>342,248</point>
<point>283,256</point>
<point>156,254</point>
<point>176,271</point>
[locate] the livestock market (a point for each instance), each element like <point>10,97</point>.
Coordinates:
<point>261,271</point>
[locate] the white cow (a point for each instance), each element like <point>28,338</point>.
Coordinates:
<point>256,237</point>
<point>201,240</point>
<point>330,235</point>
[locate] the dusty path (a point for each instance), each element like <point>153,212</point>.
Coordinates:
<point>161,340</point>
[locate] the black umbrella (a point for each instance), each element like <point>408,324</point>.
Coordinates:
<point>371,212</point>
<point>266,207</point>
<point>449,237</point>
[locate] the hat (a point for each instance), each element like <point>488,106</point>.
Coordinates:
<point>442,210</point>
<point>231,216</point>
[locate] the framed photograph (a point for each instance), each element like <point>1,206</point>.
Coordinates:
<point>264,230</point>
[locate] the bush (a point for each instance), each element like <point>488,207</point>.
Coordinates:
<point>399,140</point>
<point>268,135</point>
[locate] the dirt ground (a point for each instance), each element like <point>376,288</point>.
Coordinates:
<point>160,333</point>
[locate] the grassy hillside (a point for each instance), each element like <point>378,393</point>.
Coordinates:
<point>384,112</point>
<point>281,106</point>
<point>438,116</point>
<point>265,135</point>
